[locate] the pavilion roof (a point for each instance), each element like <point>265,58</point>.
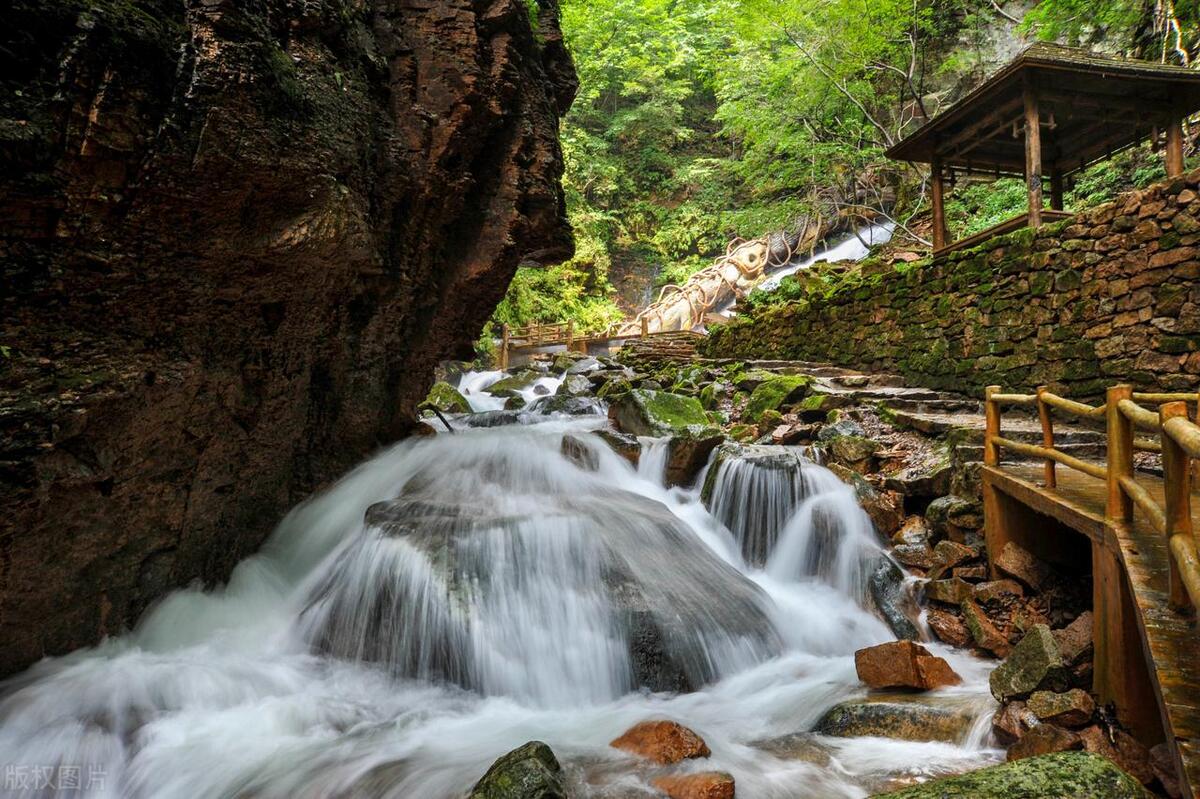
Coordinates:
<point>1091,107</point>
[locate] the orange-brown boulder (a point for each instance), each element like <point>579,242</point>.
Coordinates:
<point>663,742</point>
<point>1043,740</point>
<point>705,785</point>
<point>903,664</point>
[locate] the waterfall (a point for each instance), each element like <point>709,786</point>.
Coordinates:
<point>458,595</point>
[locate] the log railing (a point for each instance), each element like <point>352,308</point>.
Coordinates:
<point>1173,433</point>
<point>552,333</point>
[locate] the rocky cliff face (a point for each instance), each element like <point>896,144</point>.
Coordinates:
<point>236,237</point>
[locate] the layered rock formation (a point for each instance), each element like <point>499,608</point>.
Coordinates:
<point>237,238</point>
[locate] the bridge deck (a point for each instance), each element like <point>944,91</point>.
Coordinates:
<point>1170,640</point>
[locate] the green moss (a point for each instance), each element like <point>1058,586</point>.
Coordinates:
<point>524,773</point>
<point>774,393</point>
<point>446,398</point>
<point>1063,775</point>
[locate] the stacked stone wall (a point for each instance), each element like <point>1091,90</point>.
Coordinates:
<point>1110,295</point>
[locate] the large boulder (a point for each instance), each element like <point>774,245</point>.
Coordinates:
<point>513,384</point>
<point>1067,775</point>
<point>903,664</point>
<point>642,412</point>
<point>664,742</point>
<point>893,600</point>
<point>897,717</point>
<point>447,399</point>
<point>528,772</point>
<point>1073,708</point>
<point>886,508</point>
<point>1034,664</point>
<point>774,394</point>
<point>1022,565</point>
<point>955,518</point>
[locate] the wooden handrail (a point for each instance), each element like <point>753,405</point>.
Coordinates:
<point>1178,440</point>
<point>1147,420</point>
<point>1076,408</point>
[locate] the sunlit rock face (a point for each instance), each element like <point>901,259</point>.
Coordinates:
<point>237,239</point>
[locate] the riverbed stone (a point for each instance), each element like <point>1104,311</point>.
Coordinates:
<point>950,592</point>
<point>446,398</point>
<point>914,530</point>
<point>643,412</point>
<point>1044,739</point>
<point>919,556</point>
<point>896,718</point>
<point>513,383</point>
<point>574,386</point>
<point>1073,708</point>
<point>1065,775</point>
<point>1021,565</point>
<point>1034,664</point>
<point>995,592</point>
<point>702,785</point>
<point>894,601</point>
<point>886,508</point>
<point>1012,721</point>
<point>948,627</point>
<point>528,772</point>
<point>983,631</point>
<point>774,394</point>
<point>955,518</point>
<point>1075,640</point>
<point>662,741</point>
<point>903,664</point>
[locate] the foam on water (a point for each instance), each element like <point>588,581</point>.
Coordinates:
<point>484,602</point>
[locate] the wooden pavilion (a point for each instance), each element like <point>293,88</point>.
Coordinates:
<point>1051,112</point>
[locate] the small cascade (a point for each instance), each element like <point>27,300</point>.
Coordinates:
<point>754,490</point>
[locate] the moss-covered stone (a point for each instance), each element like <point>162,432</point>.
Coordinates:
<point>897,717</point>
<point>446,398</point>
<point>659,413</point>
<point>514,383</point>
<point>528,772</point>
<point>773,394</point>
<point>1064,775</point>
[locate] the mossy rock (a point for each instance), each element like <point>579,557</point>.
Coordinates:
<point>528,772</point>
<point>616,387</point>
<point>773,394</point>
<point>642,412</point>
<point>897,717</point>
<point>446,398</point>
<point>1062,775</point>
<point>514,383</point>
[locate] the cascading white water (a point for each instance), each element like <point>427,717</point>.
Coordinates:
<point>456,596</point>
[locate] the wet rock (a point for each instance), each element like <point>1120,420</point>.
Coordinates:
<point>842,427</point>
<point>1163,764</point>
<point>1073,708</point>
<point>541,390</point>
<point>903,664</point>
<point>1018,563</point>
<point>948,627</point>
<point>1075,640</point>
<point>687,454</point>
<point>914,530</point>
<point>496,418</point>
<point>796,746</point>
<point>625,445</point>
<point>704,785</point>
<point>1065,775</point>
<point>752,379</point>
<point>574,386</point>
<point>955,518</point>
<point>571,406</point>
<point>949,592</point>
<point>1121,748</point>
<point>916,555</point>
<point>788,434</point>
<point>932,480</point>
<point>983,632</point>
<point>529,772</point>
<point>514,383</point>
<point>893,718</point>
<point>997,591</point>
<point>816,407</point>
<point>1034,664</point>
<point>886,508</point>
<point>664,742</point>
<point>893,600</point>
<point>972,574</point>
<point>853,451</point>
<point>583,366</point>
<point>1043,740</point>
<point>947,555</point>
<point>447,399</point>
<point>658,413</point>
<point>514,403</point>
<point>1012,721</point>
<point>577,450</point>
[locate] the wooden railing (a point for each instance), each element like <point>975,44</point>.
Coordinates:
<point>551,333</point>
<point>1174,435</point>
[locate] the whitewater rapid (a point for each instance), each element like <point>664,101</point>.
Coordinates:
<point>475,612</point>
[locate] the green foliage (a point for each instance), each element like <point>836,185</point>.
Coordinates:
<point>1131,27</point>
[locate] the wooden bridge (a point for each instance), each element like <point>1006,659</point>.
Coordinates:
<point>1139,527</point>
<point>538,337</point>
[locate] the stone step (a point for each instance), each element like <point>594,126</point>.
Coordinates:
<point>933,406</point>
<point>1017,428</point>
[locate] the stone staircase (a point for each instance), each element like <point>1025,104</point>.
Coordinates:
<point>938,413</point>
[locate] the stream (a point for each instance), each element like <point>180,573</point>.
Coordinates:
<point>457,595</point>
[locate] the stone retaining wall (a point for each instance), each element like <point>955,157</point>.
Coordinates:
<point>1107,296</point>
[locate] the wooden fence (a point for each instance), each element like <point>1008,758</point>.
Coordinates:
<point>549,334</point>
<point>1171,433</point>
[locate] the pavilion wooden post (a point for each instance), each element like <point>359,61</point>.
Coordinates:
<point>1033,153</point>
<point>1057,191</point>
<point>1174,153</point>
<point>938,199</point>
